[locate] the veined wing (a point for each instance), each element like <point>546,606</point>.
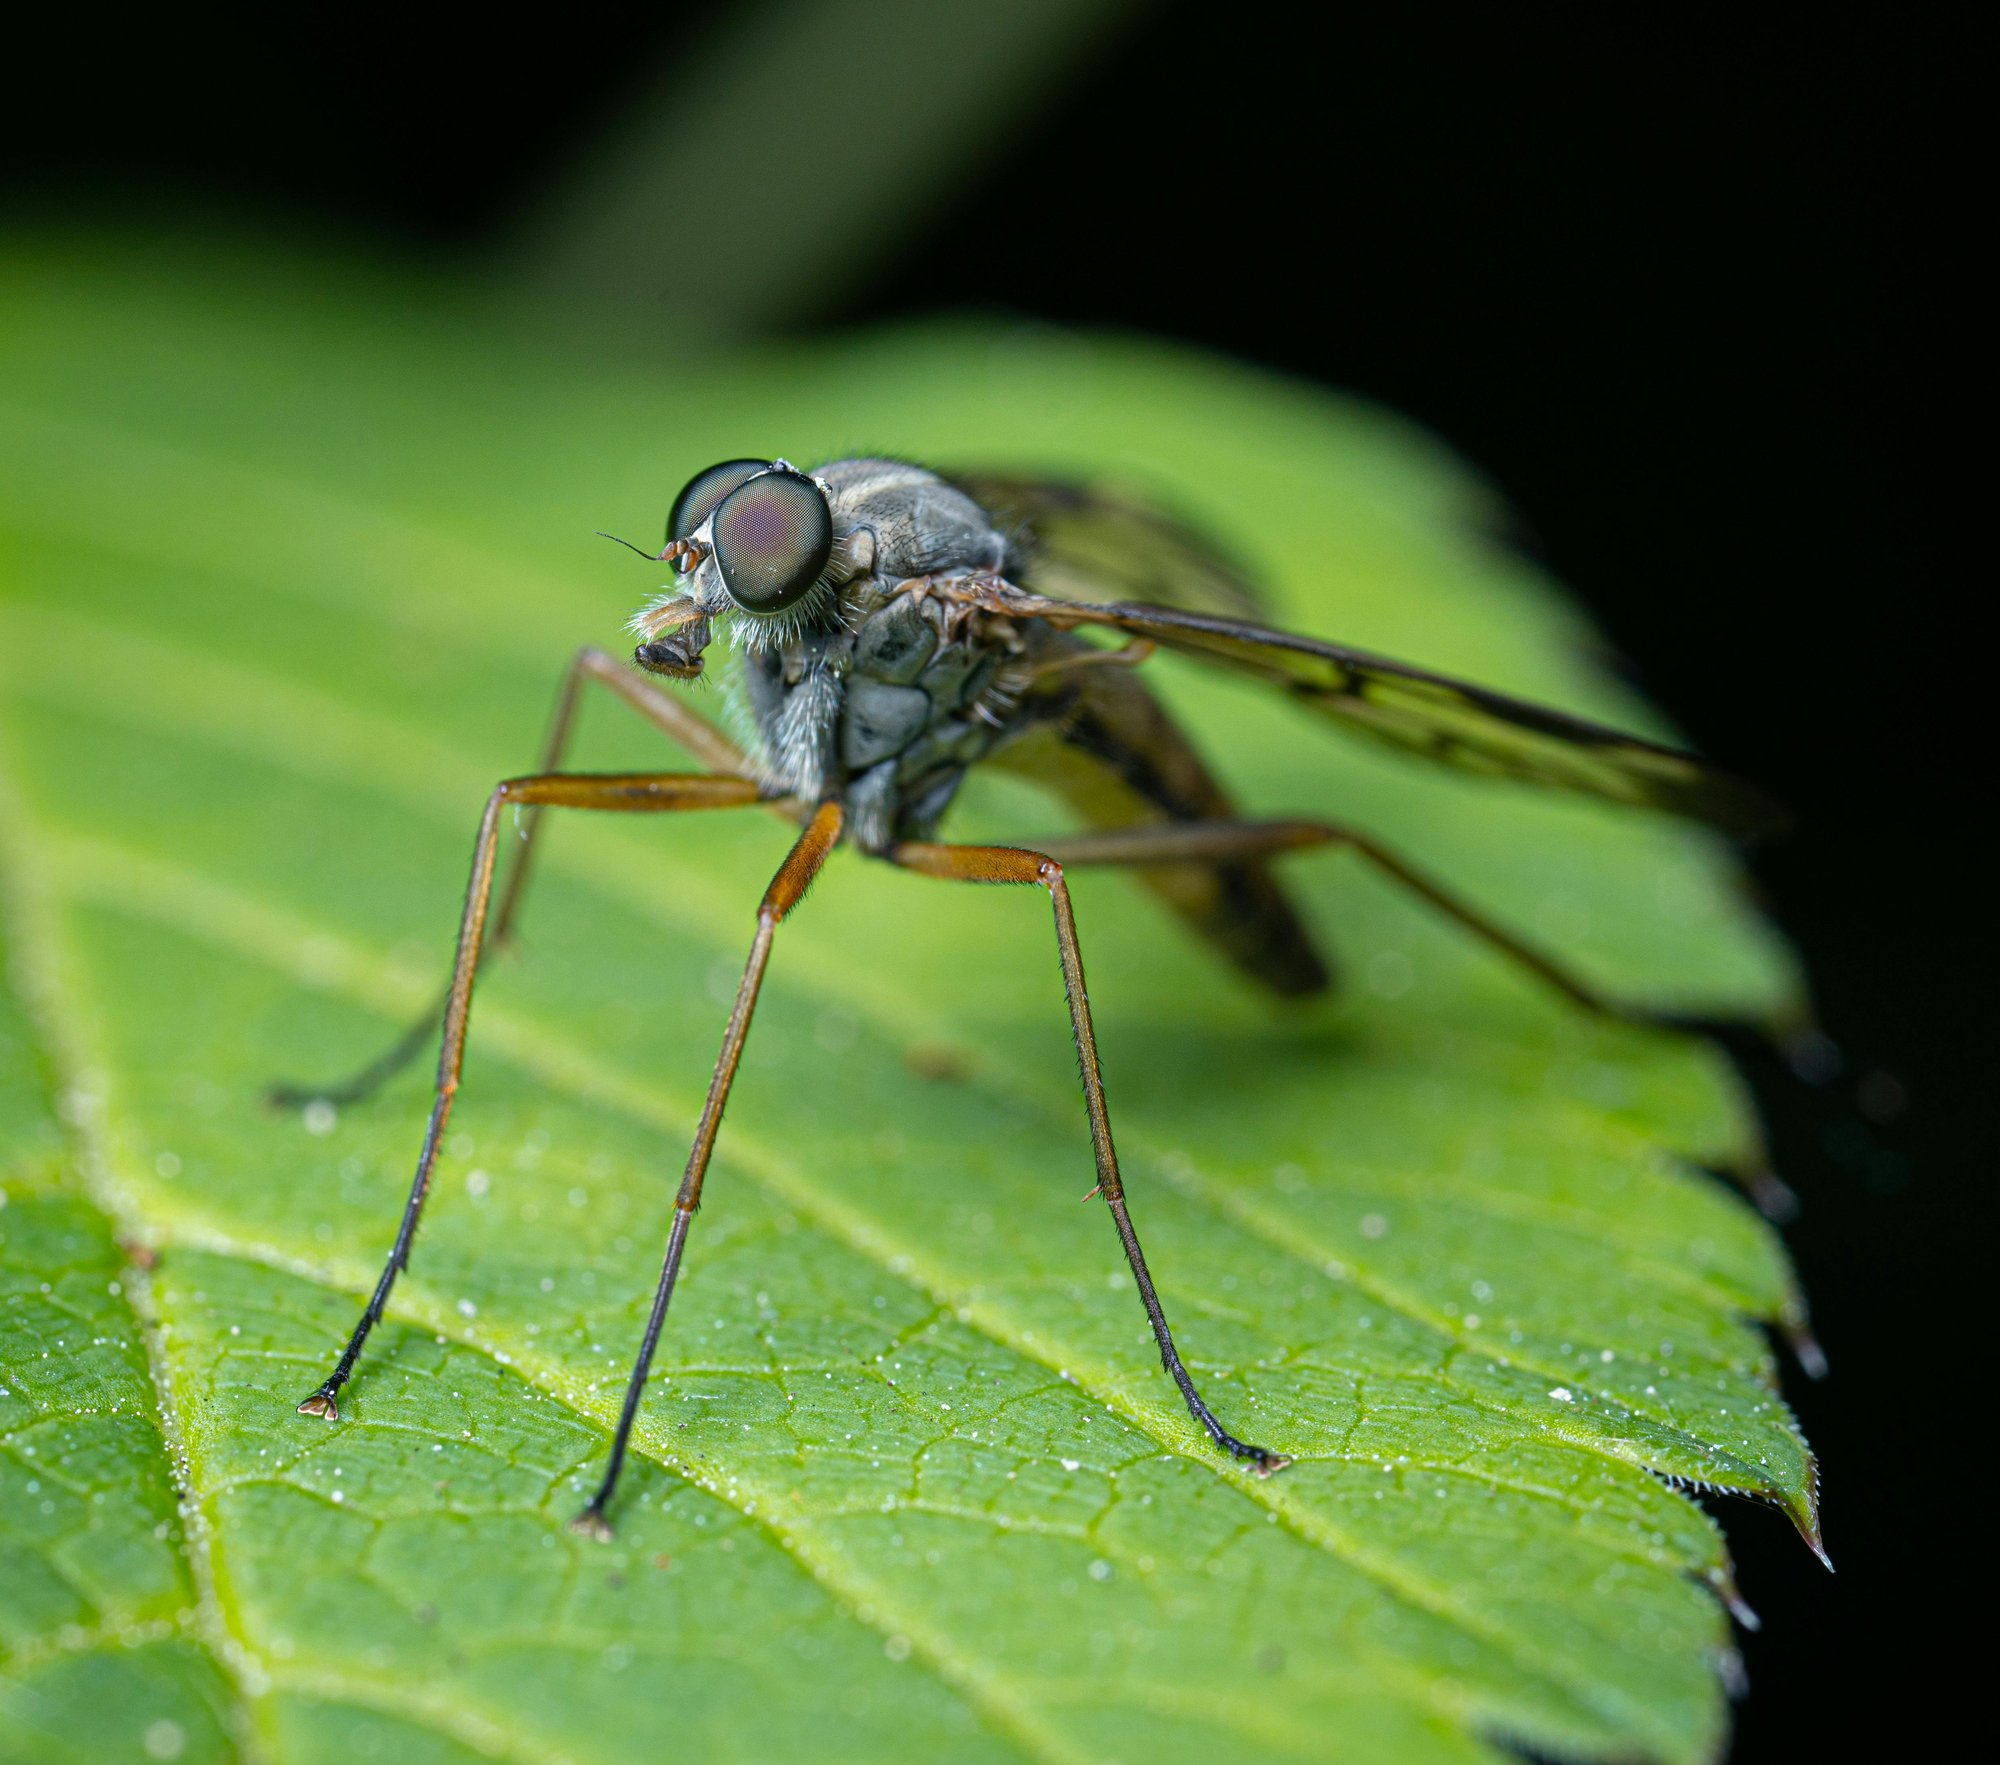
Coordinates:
<point>1102,743</point>
<point>1472,728</point>
<point>1097,542</point>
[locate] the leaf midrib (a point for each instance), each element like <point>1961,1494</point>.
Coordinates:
<point>30,918</point>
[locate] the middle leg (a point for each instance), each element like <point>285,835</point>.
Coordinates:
<point>1010,864</point>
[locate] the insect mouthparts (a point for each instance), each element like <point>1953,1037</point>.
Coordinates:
<point>668,658</point>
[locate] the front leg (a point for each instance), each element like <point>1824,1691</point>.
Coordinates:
<point>644,792</point>
<point>787,889</point>
<point>676,721</point>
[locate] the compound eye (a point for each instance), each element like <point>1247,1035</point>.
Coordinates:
<point>772,539</point>
<point>704,490</point>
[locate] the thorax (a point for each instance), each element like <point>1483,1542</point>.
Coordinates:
<point>888,705</point>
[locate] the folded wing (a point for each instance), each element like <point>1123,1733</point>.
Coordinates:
<point>1095,542</point>
<point>1454,722</point>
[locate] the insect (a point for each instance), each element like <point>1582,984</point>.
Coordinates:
<point>893,627</point>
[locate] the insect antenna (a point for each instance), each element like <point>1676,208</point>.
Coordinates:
<point>650,557</point>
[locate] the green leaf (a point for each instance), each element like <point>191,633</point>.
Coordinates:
<point>295,553</point>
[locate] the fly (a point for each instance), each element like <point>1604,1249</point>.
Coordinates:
<point>894,627</point>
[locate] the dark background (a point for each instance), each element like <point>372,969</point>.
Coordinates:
<point>1687,291</point>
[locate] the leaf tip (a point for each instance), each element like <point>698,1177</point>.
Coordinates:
<point>1771,1195</point>
<point>1722,1582</point>
<point>1735,1677</point>
<point>1806,1519</point>
<point>1802,1509</point>
<point>1804,1346</point>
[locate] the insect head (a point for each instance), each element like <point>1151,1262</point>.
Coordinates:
<point>768,532</point>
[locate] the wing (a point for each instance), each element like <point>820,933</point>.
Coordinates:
<point>1097,542</point>
<point>1103,744</point>
<point>1471,728</point>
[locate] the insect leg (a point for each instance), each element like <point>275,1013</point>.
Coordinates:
<point>1128,655</point>
<point>1210,842</point>
<point>645,791</point>
<point>787,888</point>
<point>676,721</point>
<point>1798,1051</point>
<point>679,724</point>
<point>1008,864</point>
